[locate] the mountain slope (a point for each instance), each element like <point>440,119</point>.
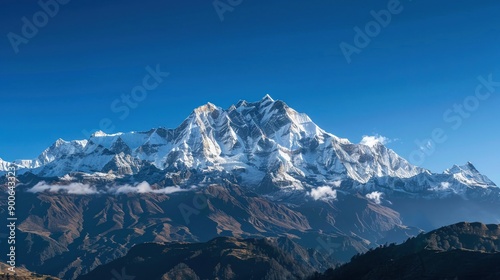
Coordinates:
<point>460,251</point>
<point>220,258</point>
<point>21,274</point>
<point>69,234</point>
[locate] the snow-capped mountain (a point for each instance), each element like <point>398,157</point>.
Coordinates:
<point>261,143</point>
<point>4,165</point>
<point>58,150</point>
<point>464,181</point>
<point>468,175</point>
<point>255,169</point>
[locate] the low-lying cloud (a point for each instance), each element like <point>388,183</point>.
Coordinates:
<point>375,197</point>
<point>323,193</point>
<point>72,188</point>
<point>443,186</point>
<point>336,184</point>
<point>144,187</point>
<point>83,189</point>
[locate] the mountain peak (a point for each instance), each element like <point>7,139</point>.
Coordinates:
<point>469,175</point>
<point>59,142</point>
<point>99,133</point>
<point>266,98</point>
<point>468,167</point>
<point>209,107</point>
<point>263,103</point>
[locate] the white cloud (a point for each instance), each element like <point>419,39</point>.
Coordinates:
<point>144,187</point>
<point>72,188</point>
<point>323,193</point>
<point>371,141</point>
<point>441,187</point>
<point>81,189</point>
<point>336,183</point>
<point>375,196</point>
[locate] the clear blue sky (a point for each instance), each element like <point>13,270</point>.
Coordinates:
<point>65,78</point>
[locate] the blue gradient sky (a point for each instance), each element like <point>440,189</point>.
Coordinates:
<point>427,59</point>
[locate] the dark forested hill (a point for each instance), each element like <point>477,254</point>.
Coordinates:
<point>220,258</point>
<point>459,251</point>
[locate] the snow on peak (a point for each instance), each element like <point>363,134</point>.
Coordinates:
<point>469,175</point>
<point>99,133</point>
<point>468,167</point>
<point>60,142</point>
<point>4,165</point>
<point>207,108</point>
<point>263,140</point>
<point>267,98</point>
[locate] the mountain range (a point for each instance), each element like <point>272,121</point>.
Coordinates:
<point>458,251</point>
<point>265,145</point>
<point>220,258</point>
<point>254,170</point>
